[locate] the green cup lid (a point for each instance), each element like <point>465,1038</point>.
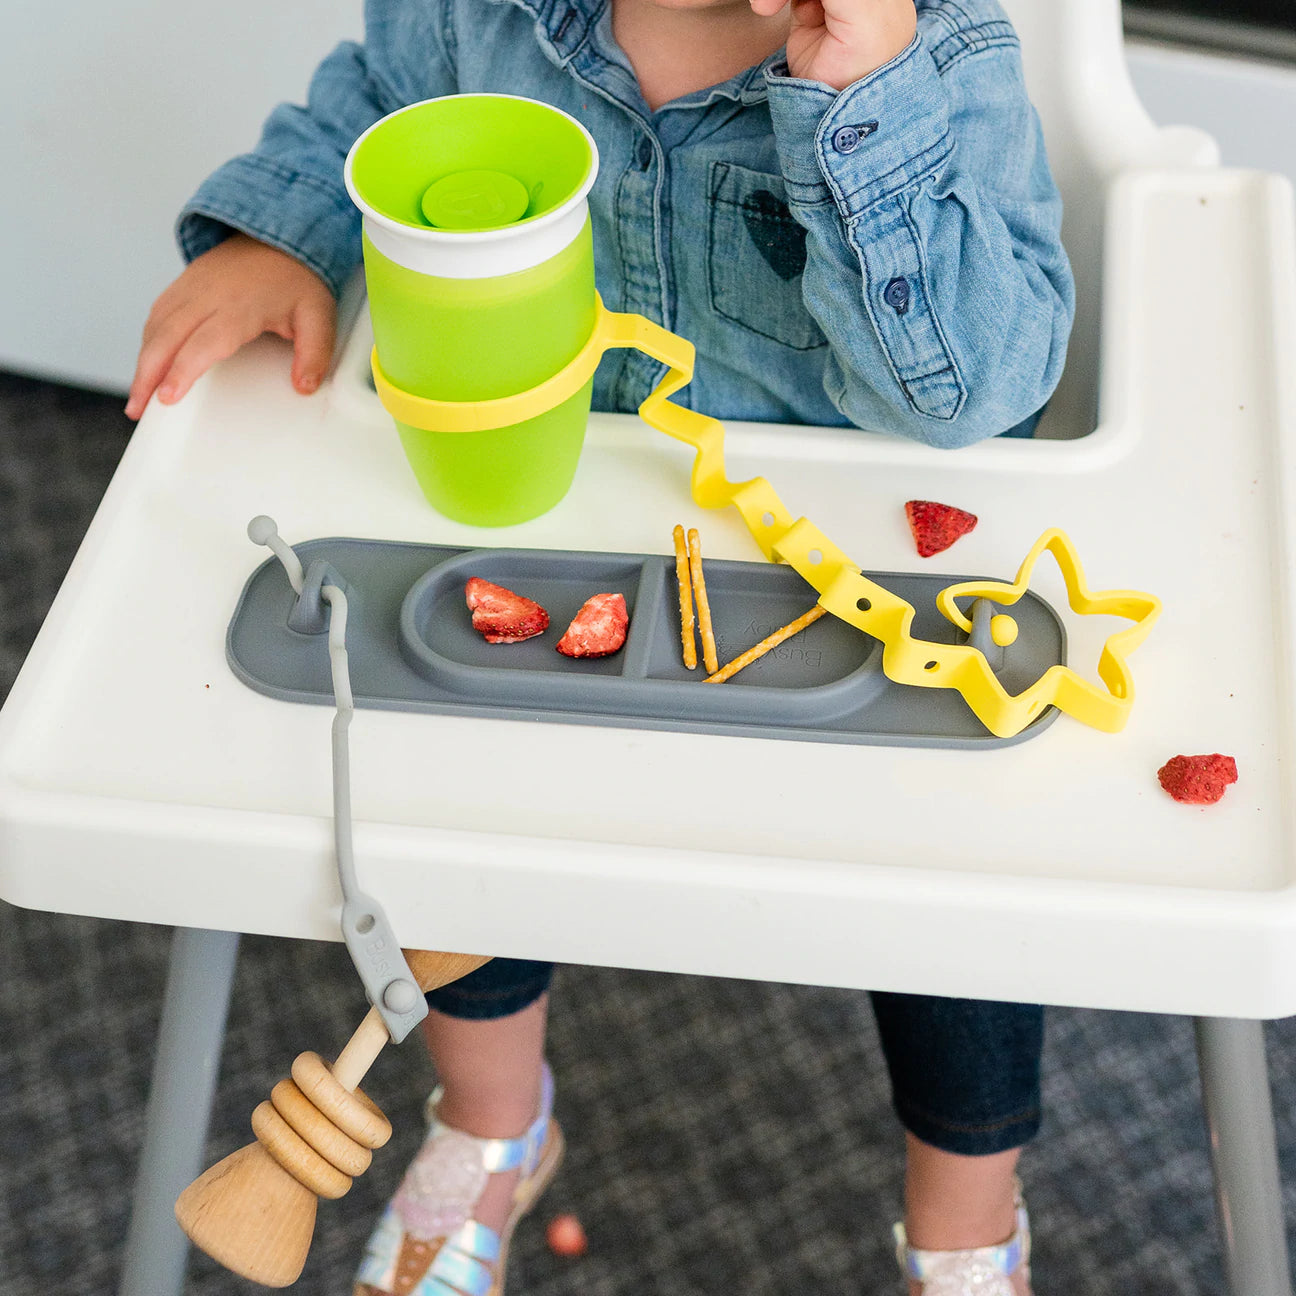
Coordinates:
<point>471,163</point>
<point>475,200</point>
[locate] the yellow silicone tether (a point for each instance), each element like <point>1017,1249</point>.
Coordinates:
<point>843,589</point>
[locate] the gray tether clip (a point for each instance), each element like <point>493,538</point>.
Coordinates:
<point>375,951</point>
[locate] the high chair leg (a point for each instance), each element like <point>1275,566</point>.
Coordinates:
<point>185,1067</point>
<point>1239,1117</point>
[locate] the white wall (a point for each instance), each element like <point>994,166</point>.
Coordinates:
<point>1249,107</point>
<point>114,112</point>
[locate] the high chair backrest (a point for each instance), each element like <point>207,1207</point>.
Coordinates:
<point>1095,127</point>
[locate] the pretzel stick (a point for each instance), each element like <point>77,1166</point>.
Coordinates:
<point>770,641</point>
<point>687,638</point>
<point>709,658</point>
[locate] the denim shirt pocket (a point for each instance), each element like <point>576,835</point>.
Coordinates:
<point>756,253</point>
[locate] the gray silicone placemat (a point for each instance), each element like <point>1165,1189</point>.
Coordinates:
<point>412,647</point>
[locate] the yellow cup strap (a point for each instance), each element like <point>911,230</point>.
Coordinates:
<point>610,330</point>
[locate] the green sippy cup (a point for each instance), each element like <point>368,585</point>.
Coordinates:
<point>479,265</point>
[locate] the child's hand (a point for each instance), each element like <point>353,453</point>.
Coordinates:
<point>224,298</point>
<point>840,41</point>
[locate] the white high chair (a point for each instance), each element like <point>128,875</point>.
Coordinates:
<point>1068,877</point>
<point>1096,129</point>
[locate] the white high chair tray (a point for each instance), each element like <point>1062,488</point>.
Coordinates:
<point>140,780</point>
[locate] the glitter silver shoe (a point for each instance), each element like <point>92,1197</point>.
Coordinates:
<point>980,1272</point>
<point>427,1243</point>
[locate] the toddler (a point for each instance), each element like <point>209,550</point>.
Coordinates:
<point>845,205</point>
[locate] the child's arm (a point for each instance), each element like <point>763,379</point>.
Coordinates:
<point>272,236</point>
<point>934,262</point>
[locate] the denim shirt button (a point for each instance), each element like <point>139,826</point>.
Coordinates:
<point>845,139</point>
<point>896,295</point>
<point>645,152</point>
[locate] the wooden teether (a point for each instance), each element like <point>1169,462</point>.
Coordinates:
<point>254,1212</point>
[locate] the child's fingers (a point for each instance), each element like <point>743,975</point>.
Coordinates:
<point>148,372</point>
<point>176,296</point>
<point>162,340</point>
<point>313,325</point>
<point>767,8</point>
<point>813,13</point>
<point>215,339</point>
<point>222,299</point>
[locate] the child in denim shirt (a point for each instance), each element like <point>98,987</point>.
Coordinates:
<point>845,205</point>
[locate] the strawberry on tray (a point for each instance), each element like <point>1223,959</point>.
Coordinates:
<point>1198,780</point>
<point>598,629</point>
<point>501,616</point>
<point>936,526</point>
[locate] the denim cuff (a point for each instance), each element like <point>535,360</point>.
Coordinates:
<point>870,141</point>
<point>970,1140</point>
<point>296,212</point>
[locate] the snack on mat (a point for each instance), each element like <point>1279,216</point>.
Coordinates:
<point>687,621</point>
<point>709,658</point>
<point>501,616</point>
<point>770,641</point>
<point>1198,780</point>
<point>566,1236</point>
<point>936,526</point>
<point>598,629</point>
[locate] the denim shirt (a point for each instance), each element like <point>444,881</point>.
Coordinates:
<point>887,256</point>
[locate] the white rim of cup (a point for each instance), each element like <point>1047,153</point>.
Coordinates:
<point>475,254</point>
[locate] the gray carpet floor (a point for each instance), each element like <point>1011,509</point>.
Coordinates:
<point>725,1137</point>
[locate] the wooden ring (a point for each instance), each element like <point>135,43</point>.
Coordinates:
<point>297,1156</point>
<point>314,1126</point>
<point>355,1114</point>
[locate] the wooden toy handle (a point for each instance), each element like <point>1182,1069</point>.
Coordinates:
<point>254,1212</point>
<point>431,970</point>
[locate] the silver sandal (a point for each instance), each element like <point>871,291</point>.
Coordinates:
<point>427,1243</point>
<point>980,1272</point>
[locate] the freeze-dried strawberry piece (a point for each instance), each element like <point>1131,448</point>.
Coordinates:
<point>1198,780</point>
<point>936,526</point>
<point>502,616</point>
<point>598,629</point>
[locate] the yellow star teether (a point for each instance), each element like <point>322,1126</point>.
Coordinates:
<point>1060,686</point>
<point>843,589</point>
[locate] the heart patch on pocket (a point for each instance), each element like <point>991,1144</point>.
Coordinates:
<point>775,232</point>
<point>756,255</point>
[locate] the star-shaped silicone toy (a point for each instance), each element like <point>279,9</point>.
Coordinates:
<point>1059,685</point>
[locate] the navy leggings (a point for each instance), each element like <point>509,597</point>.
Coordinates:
<point>964,1073</point>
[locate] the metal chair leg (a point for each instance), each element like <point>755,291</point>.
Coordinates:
<point>1244,1157</point>
<point>185,1066</point>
